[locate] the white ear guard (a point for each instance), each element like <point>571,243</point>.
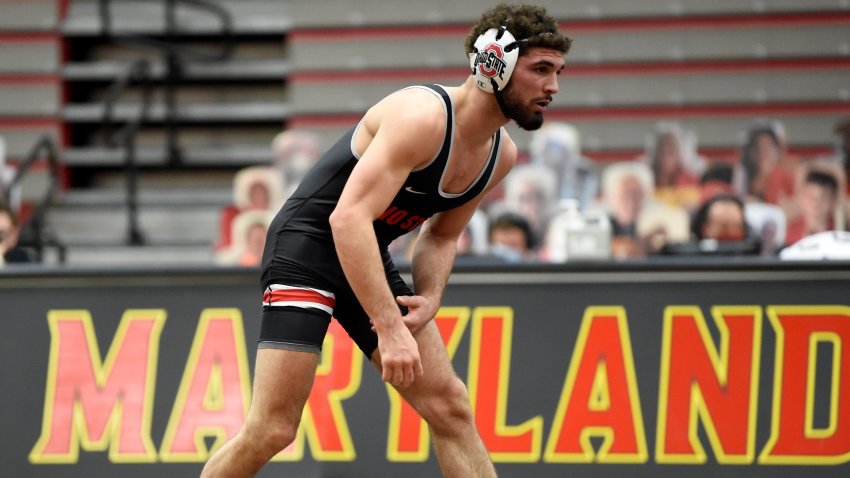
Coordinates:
<point>493,59</point>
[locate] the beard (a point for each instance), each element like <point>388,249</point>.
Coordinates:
<point>514,109</point>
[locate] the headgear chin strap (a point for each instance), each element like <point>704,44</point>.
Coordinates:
<point>493,59</point>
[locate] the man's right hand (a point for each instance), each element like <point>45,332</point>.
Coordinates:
<point>400,361</point>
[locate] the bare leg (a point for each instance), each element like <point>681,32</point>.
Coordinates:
<point>442,400</point>
<point>282,383</point>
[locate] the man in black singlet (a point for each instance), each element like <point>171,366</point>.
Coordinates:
<point>425,155</point>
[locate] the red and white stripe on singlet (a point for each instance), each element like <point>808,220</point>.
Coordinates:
<point>305,297</point>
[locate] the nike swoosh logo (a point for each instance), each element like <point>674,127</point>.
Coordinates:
<point>411,190</point>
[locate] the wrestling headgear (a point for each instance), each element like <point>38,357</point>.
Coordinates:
<point>493,58</point>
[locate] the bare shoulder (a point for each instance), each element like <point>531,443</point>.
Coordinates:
<point>412,117</point>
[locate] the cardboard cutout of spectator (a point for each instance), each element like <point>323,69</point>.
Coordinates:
<point>671,152</point>
<point>255,188</point>
<point>719,227</point>
<point>626,189</point>
<point>9,230</point>
<point>557,146</point>
<point>819,200</point>
<point>511,238</point>
<point>248,231</point>
<point>530,190</point>
<point>295,152</point>
<point>769,170</point>
<point>842,149</point>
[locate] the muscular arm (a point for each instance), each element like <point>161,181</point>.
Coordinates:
<point>364,198</point>
<point>435,250</point>
<point>405,135</point>
<point>436,247</point>
<point>433,258</point>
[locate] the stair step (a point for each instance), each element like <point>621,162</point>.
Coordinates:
<point>265,69</point>
<point>137,17</point>
<point>196,156</point>
<point>157,181</point>
<point>165,224</point>
<point>112,256</point>
<point>199,112</point>
<point>167,198</point>
<point>28,16</point>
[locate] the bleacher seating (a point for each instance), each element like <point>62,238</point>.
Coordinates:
<point>228,110</point>
<point>713,65</point>
<point>29,16</point>
<point>346,13</point>
<point>30,85</point>
<point>148,17</point>
<point>29,54</point>
<point>317,65</point>
<point>316,96</point>
<point>671,40</point>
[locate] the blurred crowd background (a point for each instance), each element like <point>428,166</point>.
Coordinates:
<point>559,205</point>
<point>166,132</point>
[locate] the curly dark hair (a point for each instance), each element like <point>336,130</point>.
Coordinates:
<point>823,179</point>
<point>510,220</point>
<point>701,216</point>
<point>524,22</point>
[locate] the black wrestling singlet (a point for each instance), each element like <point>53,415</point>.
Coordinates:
<point>300,237</point>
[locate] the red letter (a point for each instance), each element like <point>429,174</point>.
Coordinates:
<point>396,217</point>
<point>716,387</point>
<point>386,213</point>
<point>794,438</point>
<point>600,396</point>
<point>408,436</point>
<point>489,372</point>
<point>98,405</point>
<point>215,389</point>
<point>323,422</point>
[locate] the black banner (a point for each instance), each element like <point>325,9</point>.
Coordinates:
<point>644,370</point>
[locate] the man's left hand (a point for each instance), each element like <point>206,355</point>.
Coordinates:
<point>420,311</point>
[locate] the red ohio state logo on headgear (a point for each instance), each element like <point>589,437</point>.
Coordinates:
<point>489,61</point>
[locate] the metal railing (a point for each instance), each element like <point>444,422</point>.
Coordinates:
<point>172,29</point>
<point>33,232</point>
<point>125,137</point>
<point>174,56</point>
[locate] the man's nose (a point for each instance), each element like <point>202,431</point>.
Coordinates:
<point>551,86</point>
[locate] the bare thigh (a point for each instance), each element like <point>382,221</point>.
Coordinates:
<point>282,383</point>
<point>436,364</point>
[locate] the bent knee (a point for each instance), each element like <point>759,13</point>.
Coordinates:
<point>279,437</point>
<point>271,436</point>
<point>448,407</point>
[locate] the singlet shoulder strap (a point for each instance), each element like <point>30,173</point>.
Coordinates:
<point>486,175</point>
<point>445,149</point>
